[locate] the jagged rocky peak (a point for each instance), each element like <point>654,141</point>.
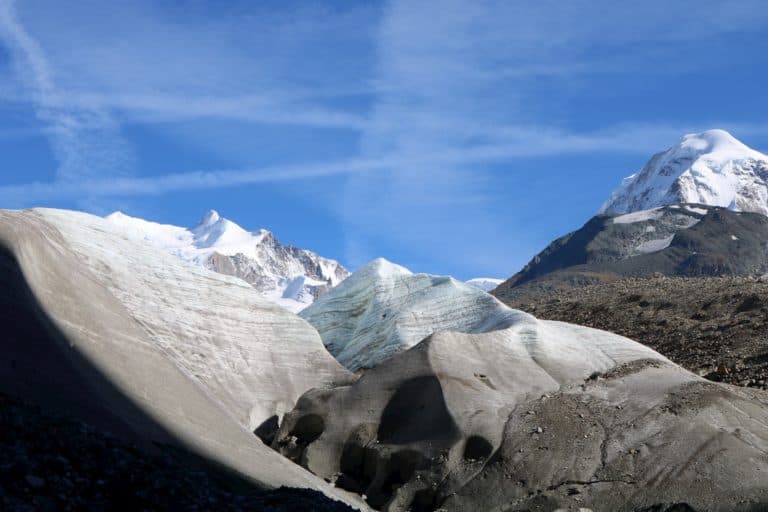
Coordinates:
<point>287,275</point>
<point>710,168</point>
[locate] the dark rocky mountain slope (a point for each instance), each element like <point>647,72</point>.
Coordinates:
<point>677,240</point>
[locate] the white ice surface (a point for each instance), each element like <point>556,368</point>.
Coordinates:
<point>700,211</point>
<point>252,356</point>
<point>654,245</point>
<point>383,309</point>
<point>641,216</point>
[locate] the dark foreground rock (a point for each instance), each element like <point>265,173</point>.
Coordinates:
<point>52,463</point>
<point>715,327</point>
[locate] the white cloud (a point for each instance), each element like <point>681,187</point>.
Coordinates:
<point>86,142</point>
<point>266,108</point>
<point>148,62</point>
<point>381,172</point>
<point>437,92</point>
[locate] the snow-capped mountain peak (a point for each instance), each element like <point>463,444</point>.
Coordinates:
<point>286,275</point>
<point>717,144</point>
<point>711,168</point>
<point>210,218</point>
<point>226,237</point>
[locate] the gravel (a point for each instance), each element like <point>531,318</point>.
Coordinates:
<point>51,463</point>
<point>716,327</point>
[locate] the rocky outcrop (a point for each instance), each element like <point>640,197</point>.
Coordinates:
<point>284,274</point>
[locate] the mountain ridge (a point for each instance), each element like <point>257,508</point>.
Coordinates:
<point>284,274</point>
<point>676,240</point>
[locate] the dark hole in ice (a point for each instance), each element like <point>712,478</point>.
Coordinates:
<point>416,412</point>
<point>477,448</point>
<point>268,429</point>
<point>308,429</point>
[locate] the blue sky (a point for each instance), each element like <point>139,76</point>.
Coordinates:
<point>454,137</point>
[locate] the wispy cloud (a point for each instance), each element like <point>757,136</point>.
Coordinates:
<point>150,62</point>
<point>446,99</point>
<point>530,143</point>
<point>270,108</point>
<point>86,142</point>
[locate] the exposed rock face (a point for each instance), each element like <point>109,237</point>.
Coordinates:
<point>383,309</point>
<point>524,415</point>
<point>715,327</point>
<point>284,274</point>
<point>677,240</point>
<point>711,168</point>
<point>115,331</point>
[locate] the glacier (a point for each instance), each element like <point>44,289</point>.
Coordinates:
<point>199,354</point>
<point>383,309</point>
<point>466,404</point>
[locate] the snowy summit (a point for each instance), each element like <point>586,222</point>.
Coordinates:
<point>711,168</point>
<point>286,275</point>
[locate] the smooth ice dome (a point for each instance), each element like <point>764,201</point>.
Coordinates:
<point>716,142</point>
<point>711,168</point>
